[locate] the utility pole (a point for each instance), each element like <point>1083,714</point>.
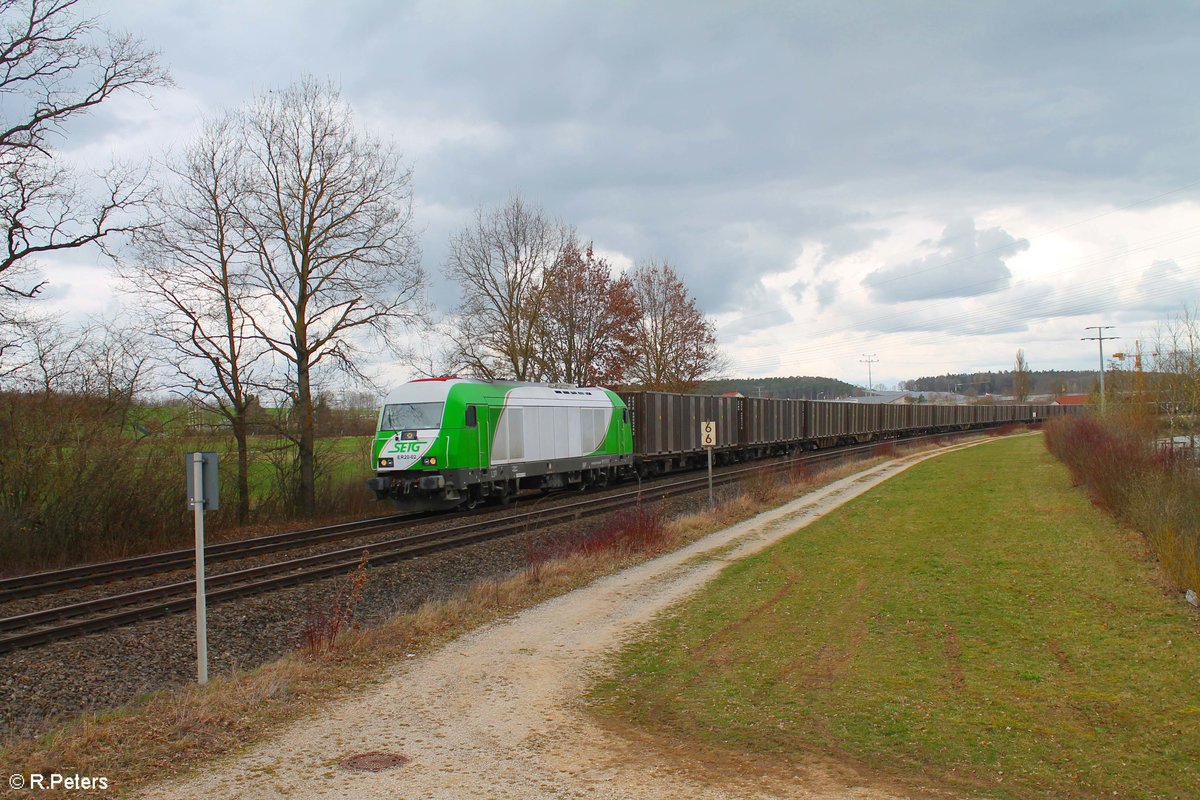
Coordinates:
<point>1099,337</point>
<point>868,360</point>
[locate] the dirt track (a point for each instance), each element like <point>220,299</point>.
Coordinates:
<point>497,713</point>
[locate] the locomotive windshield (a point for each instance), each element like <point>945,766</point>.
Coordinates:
<point>402,416</point>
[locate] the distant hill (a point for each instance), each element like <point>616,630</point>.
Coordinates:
<point>800,387</point>
<point>1047,381</point>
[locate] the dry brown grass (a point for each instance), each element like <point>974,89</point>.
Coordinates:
<point>171,733</point>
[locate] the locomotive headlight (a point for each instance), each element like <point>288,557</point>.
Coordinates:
<point>429,461</point>
<point>386,462</point>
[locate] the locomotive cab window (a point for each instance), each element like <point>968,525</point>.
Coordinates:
<point>471,419</point>
<point>401,416</point>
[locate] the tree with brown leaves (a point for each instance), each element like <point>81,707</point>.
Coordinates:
<point>589,321</point>
<point>676,345</point>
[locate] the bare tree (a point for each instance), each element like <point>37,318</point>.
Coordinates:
<point>1021,378</point>
<point>118,368</point>
<point>44,355</point>
<point>330,224</point>
<point>676,345</point>
<point>54,67</point>
<point>191,270</point>
<point>588,322</point>
<point>108,362</point>
<point>503,263</point>
<point>13,339</point>
<point>1176,367</point>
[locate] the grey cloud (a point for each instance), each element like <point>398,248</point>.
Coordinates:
<point>848,241</point>
<point>968,263</point>
<point>764,312</point>
<point>1165,287</point>
<point>722,137</point>
<point>827,292</point>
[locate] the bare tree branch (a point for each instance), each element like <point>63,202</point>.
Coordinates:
<point>504,264</point>
<point>55,66</point>
<point>191,272</point>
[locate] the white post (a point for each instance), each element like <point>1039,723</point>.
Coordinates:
<point>710,493</point>
<point>201,602</point>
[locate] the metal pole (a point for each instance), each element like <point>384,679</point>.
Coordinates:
<point>1100,337</point>
<point>869,360</point>
<point>201,600</point>
<point>710,491</point>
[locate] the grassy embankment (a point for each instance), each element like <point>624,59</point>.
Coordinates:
<point>974,624</point>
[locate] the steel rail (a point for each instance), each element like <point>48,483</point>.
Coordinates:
<point>175,597</point>
<point>39,583</point>
<point>179,596</point>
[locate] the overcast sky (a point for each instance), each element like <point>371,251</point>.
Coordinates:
<point>936,184</point>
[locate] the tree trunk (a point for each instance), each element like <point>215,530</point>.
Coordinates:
<point>243,472</point>
<point>307,500</point>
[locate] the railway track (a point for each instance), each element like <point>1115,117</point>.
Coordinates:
<point>41,583</point>
<point>77,619</point>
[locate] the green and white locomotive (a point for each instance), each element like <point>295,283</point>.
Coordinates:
<point>447,442</point>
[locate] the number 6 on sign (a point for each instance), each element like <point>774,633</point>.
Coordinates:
<point>708,439</point>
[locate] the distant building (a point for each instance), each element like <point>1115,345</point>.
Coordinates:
<point>888,398</point>
<point>1072,400</point>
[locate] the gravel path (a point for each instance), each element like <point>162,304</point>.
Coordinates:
<point>498,713</point>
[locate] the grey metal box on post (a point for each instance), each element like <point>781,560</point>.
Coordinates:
<point>209,480</point>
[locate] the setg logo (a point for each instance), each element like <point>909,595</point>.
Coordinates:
<point>404,453</point>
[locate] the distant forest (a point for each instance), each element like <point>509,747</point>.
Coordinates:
<point>807,387</point>
<point>1048,381</point>
<point>799,387</point>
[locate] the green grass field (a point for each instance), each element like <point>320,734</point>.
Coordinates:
<point>973,625</point>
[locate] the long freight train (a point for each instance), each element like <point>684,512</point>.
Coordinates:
<point>447,442</point>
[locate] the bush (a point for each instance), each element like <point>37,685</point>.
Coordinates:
<point>1122,471</point>
<point>76,487</point>
<point>82,480</point>
<point>634,530</point>
<point>764,485</point>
